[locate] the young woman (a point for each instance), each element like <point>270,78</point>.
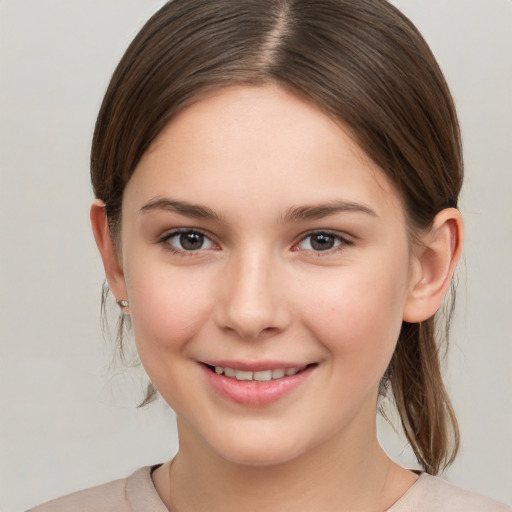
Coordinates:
<point>276,211</point>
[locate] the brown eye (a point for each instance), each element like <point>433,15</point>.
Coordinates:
<point>191,241</point>
<point>320,241</point>
<point>188,240</point>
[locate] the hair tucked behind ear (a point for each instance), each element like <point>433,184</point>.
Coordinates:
<point>366,66</point>
<point>426,413</point>
<point>123,328</point>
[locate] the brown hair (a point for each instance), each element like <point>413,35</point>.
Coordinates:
<point>363,63</point>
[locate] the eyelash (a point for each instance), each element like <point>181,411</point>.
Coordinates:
<point>165,240</point>
<point>340,241</point>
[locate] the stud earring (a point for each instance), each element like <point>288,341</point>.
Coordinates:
<point>122,303</point>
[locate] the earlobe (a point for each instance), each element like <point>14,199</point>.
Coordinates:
<point>109,255</point>
<point>434,264</point>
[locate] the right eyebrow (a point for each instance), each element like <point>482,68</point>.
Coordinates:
<point>320,211</point>
<point>181,207</point>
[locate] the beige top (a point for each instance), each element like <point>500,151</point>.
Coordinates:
<point>138,494</point>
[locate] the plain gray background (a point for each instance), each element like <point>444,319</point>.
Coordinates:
<point>65,422</point>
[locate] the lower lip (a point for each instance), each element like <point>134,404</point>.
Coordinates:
<point>255,393</point>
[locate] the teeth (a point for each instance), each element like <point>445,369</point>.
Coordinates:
<point>260,376</point>
<point>229,372</point>
<point>264,375</point>
<point>278,373</point>
<point>243,375</point>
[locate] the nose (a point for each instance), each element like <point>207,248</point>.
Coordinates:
<point>254,302</point>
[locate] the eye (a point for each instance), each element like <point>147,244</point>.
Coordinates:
<point>187,240</point>
<point>320,241</point>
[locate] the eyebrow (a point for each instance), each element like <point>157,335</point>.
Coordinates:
<point>319,211</point>
<point>181,207</point>
<point>294,214</point>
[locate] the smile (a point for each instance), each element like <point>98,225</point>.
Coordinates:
<point>259,376</point>
<point>261,385</point>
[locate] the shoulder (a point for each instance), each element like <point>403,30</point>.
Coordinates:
<point>105,498</point>
<point>132,494</point>
<point>433,494</point>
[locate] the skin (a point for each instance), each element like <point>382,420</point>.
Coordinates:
<point>259,290</point>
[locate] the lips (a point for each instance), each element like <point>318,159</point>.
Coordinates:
<point>260,375</point>
<point>255,385</point>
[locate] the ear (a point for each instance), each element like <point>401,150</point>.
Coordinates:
<point>434,262</point>
<point>109,255</point>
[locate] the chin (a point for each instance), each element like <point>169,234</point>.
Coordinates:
<point>258,456</point>
<point>249,448</point>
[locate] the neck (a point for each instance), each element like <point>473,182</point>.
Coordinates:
<point>343,474</point>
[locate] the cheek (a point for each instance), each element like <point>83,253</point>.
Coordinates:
<point>167,308</point>
<point>357,316</point>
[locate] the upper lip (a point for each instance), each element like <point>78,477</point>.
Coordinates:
<point>254,366</point>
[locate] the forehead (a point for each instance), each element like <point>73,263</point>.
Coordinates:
<point>242,144</point>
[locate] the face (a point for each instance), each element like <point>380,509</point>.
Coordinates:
<point>267,265</point>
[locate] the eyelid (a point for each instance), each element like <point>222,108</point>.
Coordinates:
<point>164,239</point>
<point>344,240</point>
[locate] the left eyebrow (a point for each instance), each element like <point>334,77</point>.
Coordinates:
<point>181,207</point>
<point>319,211</point>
